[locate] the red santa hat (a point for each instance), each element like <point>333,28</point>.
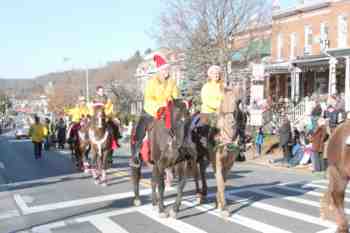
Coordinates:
<point>160,62</point>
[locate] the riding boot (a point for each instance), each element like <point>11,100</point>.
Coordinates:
<point>135,156</point>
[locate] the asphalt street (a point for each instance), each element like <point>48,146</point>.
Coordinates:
<point>49,196</point>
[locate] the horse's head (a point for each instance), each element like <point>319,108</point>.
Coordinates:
<point>179,117</point>
<point>227,112</point>
<point>99,117</point>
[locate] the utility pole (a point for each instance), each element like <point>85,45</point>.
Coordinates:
<point>87,85</point>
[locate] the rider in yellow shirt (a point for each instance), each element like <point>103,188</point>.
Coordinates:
<point>160,89</point>
<point>77,113</point>
<point>211,95</point>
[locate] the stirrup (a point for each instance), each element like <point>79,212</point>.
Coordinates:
<point>135,162</point>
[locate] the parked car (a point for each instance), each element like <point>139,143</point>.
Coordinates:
<point>22,131</point>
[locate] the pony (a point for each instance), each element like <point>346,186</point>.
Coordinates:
<point>101,145</point>
<point>338,155</point>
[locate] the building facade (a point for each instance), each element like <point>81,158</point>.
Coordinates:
<point>310,50</point>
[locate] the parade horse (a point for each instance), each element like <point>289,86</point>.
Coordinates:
<point>225,150</point>
<point>168,151</point>
<point>338,155</point>
<point>101,139</point>
<point>82,146</point>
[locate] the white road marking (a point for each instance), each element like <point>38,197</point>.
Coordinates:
<point>2,165</point>
<point>107,214</point>
<point>48,227</point>
<point>21,204</point>
<point>238,219</point>
<point>330,230</point>
<point>67,204</point>
<point>286,212</point>
<point>9,214</point>
<point>176,225</point>
<point>106,225</point>
<point>305,191</point>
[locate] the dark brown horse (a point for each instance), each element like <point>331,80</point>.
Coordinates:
<point>168,150</point>
<point>101,145</point>
<point>81,145</point>
<point>338,154</point>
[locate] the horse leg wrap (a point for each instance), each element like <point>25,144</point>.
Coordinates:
<point>86,167</point>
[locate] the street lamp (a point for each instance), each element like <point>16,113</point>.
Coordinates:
<point>67,59</point>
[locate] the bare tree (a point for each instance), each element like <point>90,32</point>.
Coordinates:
<point>205,29</point>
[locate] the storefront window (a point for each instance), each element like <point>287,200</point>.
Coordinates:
<point>342,31</point>
<point>308,40</point>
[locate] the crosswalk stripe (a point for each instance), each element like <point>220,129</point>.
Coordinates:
<point>9,214</point>
<point>311,193</point>
<point>47,227</point>
<point>106,225</point>
<point>107,214</point>
<point>284,212</point>
<point>177,225</point>
<point>295,199</point>
<point>238,219</point>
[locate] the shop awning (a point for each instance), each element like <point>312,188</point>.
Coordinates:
<point>341,52</point>
<point>278,68</point>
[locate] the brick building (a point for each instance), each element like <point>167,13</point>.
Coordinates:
<point>310,50</point>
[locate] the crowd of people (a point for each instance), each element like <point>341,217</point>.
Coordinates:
<point>304,143</point>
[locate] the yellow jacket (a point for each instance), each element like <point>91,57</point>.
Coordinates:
<point>78,112</point>
<point>157,93</point>
<point>108,109</point>
<point>38,132</point>
<point>212,96</point>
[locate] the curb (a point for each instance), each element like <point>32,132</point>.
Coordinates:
<point>269,165</point>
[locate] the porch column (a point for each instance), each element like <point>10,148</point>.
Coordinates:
<point>292,84</point>
<point>297,83</point>
<point>347,84</point>
<point>332,83</point>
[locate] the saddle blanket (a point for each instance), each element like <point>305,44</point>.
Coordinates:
<point>347,141</point>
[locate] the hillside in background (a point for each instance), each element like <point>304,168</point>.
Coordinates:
<point>72,82</point>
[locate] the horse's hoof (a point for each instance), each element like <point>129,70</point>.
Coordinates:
<point>97,182</point>
<point>225,214</point>
<point>155,208</point>
<point>163,215</point>
<point>104,184</point>
<point>173,214</point>
<point>137,202</point>
<point>86,171</point>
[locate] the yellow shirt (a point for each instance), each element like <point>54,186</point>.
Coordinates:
<point>157,93</point>
<point>78,112</point>
<point>212,96</point>
<point>38,132</point>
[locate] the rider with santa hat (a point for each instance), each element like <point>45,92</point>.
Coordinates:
<point>160,89</point>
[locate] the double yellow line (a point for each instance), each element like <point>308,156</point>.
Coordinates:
<point>144,182</point>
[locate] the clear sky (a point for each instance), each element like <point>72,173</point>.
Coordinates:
<point>36,35</point>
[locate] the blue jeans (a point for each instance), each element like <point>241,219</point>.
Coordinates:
<point>38,149</point>
<point>316,160</point>
<point>258,148</point>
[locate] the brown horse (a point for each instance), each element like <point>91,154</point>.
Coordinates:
<point>226,150</point>
<point>338,154</point>
<point>168,150</point>
<point>82,145</point>
<point>101,145</point>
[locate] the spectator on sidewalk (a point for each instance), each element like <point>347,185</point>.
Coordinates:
<point>259,141</point>
<point>332,115</point>
<point>318,139</point>
<point>285,139</point>
<point>37,132</point>
<point>61,133</point>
